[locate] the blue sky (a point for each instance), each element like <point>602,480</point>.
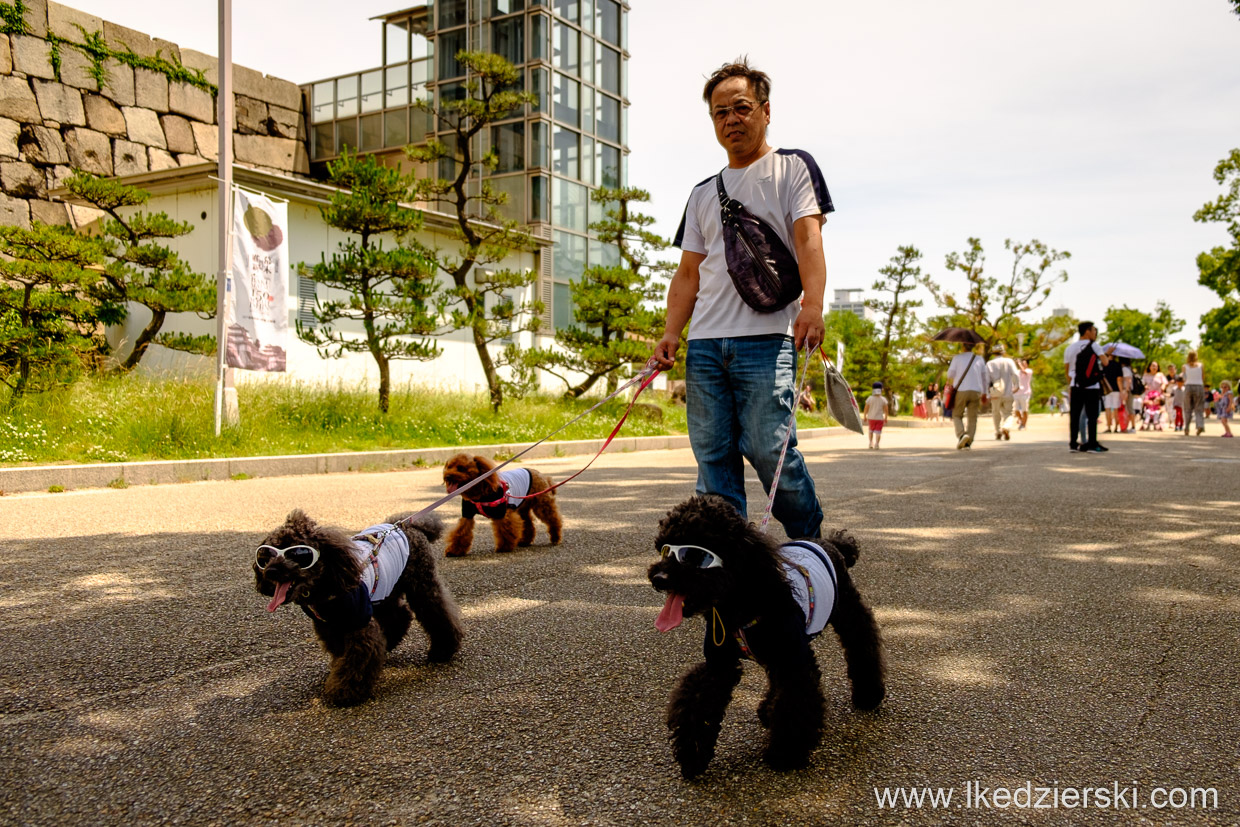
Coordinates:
<point>1092,125</point>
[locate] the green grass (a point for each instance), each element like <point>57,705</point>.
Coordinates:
<point>133,418</point>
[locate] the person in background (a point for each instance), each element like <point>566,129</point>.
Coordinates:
<point>1052,402</point>
<point>967,373</point>
<point>934,409</point>
<point>1194,394</point>
<point>1024,392</point>
<point>1112,401</point>
<point>1224,407</point>
<point>1086,396</point>
<point>1177,402</point>
<point>876,414</point>
<point>919,402</point>
<point>1004,378</point>
<point>806,399</point>
<point>1154,378</point>
<point>1126,396</point>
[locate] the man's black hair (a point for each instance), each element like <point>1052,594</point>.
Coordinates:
<point>1084,327</point>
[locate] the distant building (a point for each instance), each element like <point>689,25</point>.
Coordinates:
<point>1063,311</point>
<point>850,300</point>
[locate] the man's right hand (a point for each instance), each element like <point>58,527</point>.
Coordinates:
<point>665,351</point>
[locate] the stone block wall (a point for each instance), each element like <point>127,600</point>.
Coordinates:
<point>56,115</point>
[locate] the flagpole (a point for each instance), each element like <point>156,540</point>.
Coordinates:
<point>224,119</point>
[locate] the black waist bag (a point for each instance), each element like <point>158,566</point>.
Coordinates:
<point>764,273</point>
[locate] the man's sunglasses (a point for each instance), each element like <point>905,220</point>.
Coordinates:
<point>693,556</point>
<point>743,110</point>
<point>300,556</point>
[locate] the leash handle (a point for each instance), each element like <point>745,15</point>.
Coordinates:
<point>783,451</point>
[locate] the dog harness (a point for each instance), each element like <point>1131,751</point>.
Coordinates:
<point>811,575</point>
<point>515,484</point>
<point>383,553</point>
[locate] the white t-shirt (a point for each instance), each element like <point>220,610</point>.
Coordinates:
<point>1004,375</point>
<point>978,378</point>
<point>1025,388</point>
<point>780,187</point>
<point>1069,358</point>
<point>1194,375</point>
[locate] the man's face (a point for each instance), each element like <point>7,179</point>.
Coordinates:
<point>739,135</point>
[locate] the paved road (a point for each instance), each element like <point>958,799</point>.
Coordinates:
<point>1063,620</point>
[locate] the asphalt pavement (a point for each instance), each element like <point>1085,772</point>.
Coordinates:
<point>1058,623</point>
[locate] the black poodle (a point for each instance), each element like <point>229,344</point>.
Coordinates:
<point>765,603</point>
<point>362,592</point>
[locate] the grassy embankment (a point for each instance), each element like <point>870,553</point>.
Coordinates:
<point>132,418</point>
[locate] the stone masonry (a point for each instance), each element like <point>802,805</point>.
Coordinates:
<point>138,121</point>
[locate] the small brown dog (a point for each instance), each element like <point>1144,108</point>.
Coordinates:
<point>496,498</point>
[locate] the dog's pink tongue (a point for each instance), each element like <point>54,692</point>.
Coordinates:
<point>673,613</point>
<point>278,599</point>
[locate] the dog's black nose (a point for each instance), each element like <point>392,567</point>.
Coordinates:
<point>659,580</point>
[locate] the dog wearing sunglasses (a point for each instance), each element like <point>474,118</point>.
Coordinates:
<point>501,498</point>
<point>763,602</point>
<point>362,592</point>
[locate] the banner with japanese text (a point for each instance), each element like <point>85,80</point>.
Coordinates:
<point>256,306</point>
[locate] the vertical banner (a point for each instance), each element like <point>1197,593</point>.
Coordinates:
<point>257,301</point>
<point>839,356</point>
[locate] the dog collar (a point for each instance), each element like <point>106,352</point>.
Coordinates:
<point>503,497</point>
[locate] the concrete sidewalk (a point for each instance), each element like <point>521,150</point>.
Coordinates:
<point>124,474</point>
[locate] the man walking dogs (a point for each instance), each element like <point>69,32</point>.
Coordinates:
<point>740,368</point>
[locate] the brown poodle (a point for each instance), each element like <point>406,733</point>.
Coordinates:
<point>361,594</point>
<point>501,497</point>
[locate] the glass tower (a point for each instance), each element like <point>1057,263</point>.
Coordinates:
<point>573,57</point>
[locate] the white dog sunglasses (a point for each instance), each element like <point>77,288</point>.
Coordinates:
<point>692,556</point>
<point>301,556</point>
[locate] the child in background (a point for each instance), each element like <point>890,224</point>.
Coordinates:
<point>1224,407</point>
<point>1153,411</point>
<point>876,414</point>
<point>1177,399</point>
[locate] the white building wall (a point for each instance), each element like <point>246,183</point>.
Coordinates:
<point>456,369</point>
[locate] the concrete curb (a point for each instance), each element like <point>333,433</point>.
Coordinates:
<point>124,474</point>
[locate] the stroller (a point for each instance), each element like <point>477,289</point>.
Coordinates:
<point>1152,411</point>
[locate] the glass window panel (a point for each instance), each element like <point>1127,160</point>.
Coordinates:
<point>540,199</point>
<point>540,33</point>
<point>587,159</point>
<point>587,15</point>
<point>609,69</point>
<point>447,164</point>
<point>514,187</point>
<point>396,42</point>
<point>624,29</point>
<point>451,13</point>
<point>346,135</point>
<point>418,72</point>
<point>608,123</point>
<point>508,39</point>
<point>568,206</point>
<point>419,125</point>
<point>539,87</point>
<point>624,76</point>
<point>324,140</point>
<point>508,141</point>
<point>567,94</point>
<point>587,108</point>
<point>507,6</point>
<point>372,91</point>
<point>396,128</point>
<point>561,303</point>
<point>570,256</point>
<point>565,55</point>
<point>607,19</point>
<point>603,255</point>
<point>607,172</point>
<point>372,132</point>
<point>564,157</point>
<point>397,85</point>
<point>449,45</point>
<point>540,146</point>
<point>451,92</point>
<point>566,9</point>
<point>323,102</point>
<point>587,59</point>
<point>346,96</point>
<point>536,3</point>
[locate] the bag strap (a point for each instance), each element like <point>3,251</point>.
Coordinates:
<point>966,371</point>
<point>726,202</point>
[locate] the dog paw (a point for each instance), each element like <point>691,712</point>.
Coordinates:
<point>866,697</point>
<point>783,759</point>
<point>452,552</point>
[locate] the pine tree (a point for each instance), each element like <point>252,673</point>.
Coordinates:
<point>47,314</point>
<point>897,321</point>
<point>391,289</point>
<point>142,269</point>
<point>612,306</point>
<point>481,299</point>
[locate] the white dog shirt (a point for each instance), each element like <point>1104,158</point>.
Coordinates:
<point>812,578</point>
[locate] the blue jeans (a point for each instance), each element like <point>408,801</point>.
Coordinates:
<point>739,396</point>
